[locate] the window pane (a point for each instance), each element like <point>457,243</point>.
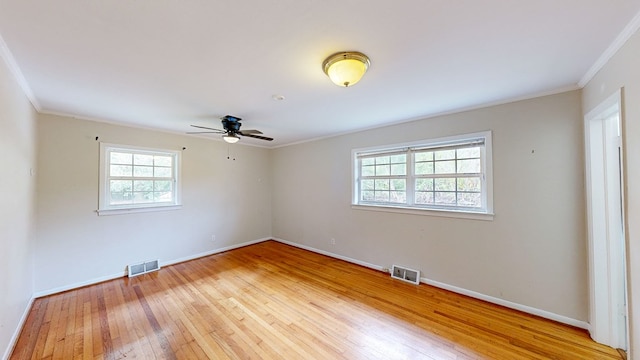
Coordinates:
<point>445,154</point>
<point>398,184</point>
<point>368,161</point>
<point>382,184</point>
<point>143,185</point>
<point>140,159</point>
<point>162,196</point>
<point>445,184</point>
<point>367,184</point>
<point>367,196</point>
<point>424,197</point>
<point>162,172</point>
<point>469,199</point>
<point>466,153</point>
<point>382,170</point>
<point>118,198</point>
<point>424,184</point>
<point>397,159</point>
<point>368,171</point>
<point>121,158</point>
<point>424,168</point>
<point>399,169</point>
<point>445,198</point>
<point>382,196</point>
<point>162,160</point>
<point>424,156</point>
<point>383,160</point>
<point>143,171</point>
<point>445,167</point>
<point>471,166</point>
<point>398,197</point>
<point>142,197</point>
<point>469,184</point>
<point>120,170</point>
<point>120,185</point>
<point>162,186</point>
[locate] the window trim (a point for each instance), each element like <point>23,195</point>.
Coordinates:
<point>103,206</point>
<point>481,214</point>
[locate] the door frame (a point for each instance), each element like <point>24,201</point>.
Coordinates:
<point>608,313</point>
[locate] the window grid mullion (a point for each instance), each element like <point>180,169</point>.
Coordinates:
<point>141,178</point>
<point>153,179</point>
<point>450,175</point>
<point>411,178</point>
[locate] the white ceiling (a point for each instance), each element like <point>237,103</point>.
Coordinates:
<point>167,64</point>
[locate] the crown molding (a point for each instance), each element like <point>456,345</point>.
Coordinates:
<point>6,54</point>
<point>626,33</point>
<point>140,127</point>
<point>483,105</point>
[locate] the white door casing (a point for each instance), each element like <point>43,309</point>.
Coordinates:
<point>607,265</point>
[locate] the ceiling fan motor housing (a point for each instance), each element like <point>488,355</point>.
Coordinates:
<point>231,123</point>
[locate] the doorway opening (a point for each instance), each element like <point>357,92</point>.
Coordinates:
<point>605,210</point>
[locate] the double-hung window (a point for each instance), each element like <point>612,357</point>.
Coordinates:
<point>134,179</point>
<point>448,175</point>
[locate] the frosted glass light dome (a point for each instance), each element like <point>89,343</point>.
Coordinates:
<point>346,68</point>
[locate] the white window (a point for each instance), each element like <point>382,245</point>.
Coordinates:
<point>451,176</point>
<point>134,179</point>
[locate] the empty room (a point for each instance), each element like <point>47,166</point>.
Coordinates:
<point>319,180</point>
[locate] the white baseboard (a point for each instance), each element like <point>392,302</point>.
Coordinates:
<point>16,333</point>
<point>330,254</point>
<point>77,285</point>
<point>214,251</point>
<point>124,273</point>
<point>524,308</point>
<point>473,294</point>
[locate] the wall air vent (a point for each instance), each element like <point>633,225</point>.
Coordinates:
<point>143,268</point>
<point>405,274</point>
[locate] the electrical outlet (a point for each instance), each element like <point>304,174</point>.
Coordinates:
<point>333,241</point>
<point>213,238</point>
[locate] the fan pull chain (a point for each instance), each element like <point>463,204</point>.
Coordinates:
<point>228,156</point>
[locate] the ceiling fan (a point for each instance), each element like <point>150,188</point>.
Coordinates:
<point>231,125</point>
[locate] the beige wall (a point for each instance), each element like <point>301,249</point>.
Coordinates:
<point>623,71</point>
<point>17,157</point>
<point>226,198</point>
<point>534,251</point>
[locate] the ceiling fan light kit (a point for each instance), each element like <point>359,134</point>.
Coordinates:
<point>230,138</point>
<point>346,68</point>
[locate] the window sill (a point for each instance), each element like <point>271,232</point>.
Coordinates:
<point>133,210</point>
<point>427,212</point>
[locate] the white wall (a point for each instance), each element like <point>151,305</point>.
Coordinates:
<point>227,198</point>
<point>17,157</point>
<point>534,251</point>
<point>623,71</point>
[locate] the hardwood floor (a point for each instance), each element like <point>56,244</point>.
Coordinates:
<point>273,301</point>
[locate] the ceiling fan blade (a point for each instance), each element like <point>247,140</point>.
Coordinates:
<point>204,132</point>
<point>208,128</point>
<point>258,137</point>
<point>251,131</point>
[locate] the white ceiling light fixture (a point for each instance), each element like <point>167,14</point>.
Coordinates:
<point>346,68</point>
<point>231,138</point>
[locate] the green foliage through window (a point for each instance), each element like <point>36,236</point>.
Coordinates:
<point>136,177</point>
<point>433,176</point>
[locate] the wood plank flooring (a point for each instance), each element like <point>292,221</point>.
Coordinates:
<point>273,301</point>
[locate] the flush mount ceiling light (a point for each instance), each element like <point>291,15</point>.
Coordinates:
<point>231,138</point>
<point>346,68</point>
